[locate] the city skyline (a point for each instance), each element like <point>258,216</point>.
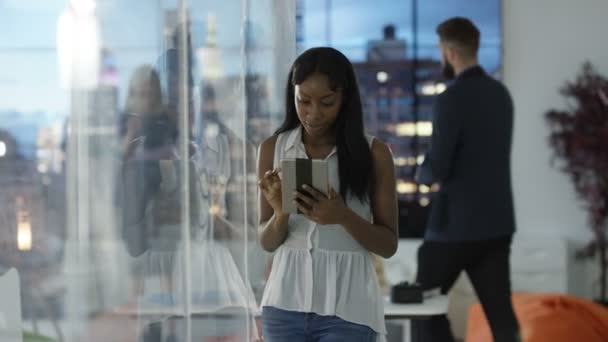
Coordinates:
<point>32,52</point>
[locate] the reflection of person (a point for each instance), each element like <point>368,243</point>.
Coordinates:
<point>147,137</point>
<point>323,285</point>
<point>150,211</point>
<point>145,119</point>
<point>154,211</point>
<point>472,218</point>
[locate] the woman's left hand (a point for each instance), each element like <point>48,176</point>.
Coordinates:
<point>320,208</point>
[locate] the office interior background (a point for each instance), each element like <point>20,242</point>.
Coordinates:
<point>69,69</point>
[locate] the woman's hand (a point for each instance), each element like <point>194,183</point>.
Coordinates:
<point>320,208</point>
<point>134,126</point>
<point>129,142</point>
<point>270,184</point>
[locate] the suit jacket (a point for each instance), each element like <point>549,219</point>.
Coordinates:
<point>470,159</point>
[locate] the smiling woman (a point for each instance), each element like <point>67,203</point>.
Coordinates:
<point>332,239</point>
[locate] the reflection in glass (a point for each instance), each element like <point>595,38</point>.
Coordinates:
<point>127,163</point>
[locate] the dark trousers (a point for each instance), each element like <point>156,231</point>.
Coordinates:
<point>487,265</point>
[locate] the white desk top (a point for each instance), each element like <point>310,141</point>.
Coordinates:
<point>196,310</point>
<point>433,306</point>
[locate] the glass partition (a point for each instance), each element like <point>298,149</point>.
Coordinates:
<point>128,141</point>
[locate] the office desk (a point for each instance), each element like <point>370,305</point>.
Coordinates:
<point>433,306</point>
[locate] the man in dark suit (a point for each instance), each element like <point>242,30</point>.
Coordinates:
<point>472,217</point>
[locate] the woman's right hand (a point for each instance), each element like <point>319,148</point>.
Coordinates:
<point>134,125</point>
<point>270,185</point>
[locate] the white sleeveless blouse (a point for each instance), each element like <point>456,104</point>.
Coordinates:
<point>322,269</point>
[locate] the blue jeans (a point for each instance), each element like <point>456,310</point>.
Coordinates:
<point>292,326</point>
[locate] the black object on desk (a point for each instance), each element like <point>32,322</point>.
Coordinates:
<point>407,293</point>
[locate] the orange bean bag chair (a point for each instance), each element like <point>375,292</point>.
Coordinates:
<point>547,318</point>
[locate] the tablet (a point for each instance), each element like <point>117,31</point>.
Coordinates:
<point>298,172</point>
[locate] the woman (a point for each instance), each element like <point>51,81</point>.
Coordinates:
<point>146,120</point>
<point>154,219</point>
<point>323,286</point>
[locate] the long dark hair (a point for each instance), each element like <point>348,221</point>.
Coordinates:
<point>355,164</point>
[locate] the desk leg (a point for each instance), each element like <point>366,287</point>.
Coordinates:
<point>406,330</point>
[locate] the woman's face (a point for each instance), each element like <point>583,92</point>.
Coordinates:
<point>317,105</point>
<point>145,98</point>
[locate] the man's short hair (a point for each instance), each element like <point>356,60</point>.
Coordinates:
<point>460,33</point>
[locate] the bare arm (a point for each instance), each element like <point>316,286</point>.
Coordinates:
<point>130,141</point>
<point>273,222</point>
<point>381,236</point>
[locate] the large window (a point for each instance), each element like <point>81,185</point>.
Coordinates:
<point>128,137</point>
<point>393,46</point>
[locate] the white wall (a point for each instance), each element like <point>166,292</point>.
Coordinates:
<point>545,43</point>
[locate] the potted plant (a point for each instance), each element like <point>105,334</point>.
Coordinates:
<point>579,138</point>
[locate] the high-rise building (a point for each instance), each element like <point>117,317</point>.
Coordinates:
<point>299,25</point>
<point>389,48</point>
<point>397,95</point>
